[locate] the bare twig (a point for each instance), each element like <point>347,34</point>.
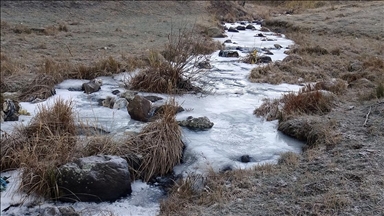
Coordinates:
<point>366,116</point>
<point>69,50</point>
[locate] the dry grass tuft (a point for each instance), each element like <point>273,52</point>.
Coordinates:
<point>380,90</point>
<point>289,159</point>
<point>38,148</point>
<point>251,58</point>
<point>182,52</point>
<point>269,109</point>
<point>160,144</point>
<point>42,87</point>
<point>20,29</point>
<point>307,101</point>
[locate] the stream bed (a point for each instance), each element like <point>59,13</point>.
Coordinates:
<point>229,105</point>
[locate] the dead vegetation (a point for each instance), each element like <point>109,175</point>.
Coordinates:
<point>160,144</point>
<point>177,71</point>
<point>38,148</point>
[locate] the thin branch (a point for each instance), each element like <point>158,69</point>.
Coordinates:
<point>366,116</point>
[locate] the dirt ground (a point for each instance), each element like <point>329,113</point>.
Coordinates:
<point>344,179</point>
<point>95,30</point>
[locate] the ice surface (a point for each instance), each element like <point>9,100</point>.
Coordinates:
<point>229,105</point>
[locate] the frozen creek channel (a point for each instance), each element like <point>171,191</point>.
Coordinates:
<point>229,106</point>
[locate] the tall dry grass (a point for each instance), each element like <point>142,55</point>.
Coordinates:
<point>160,145</point>
<point>40,147</point>
<point>185,48</point>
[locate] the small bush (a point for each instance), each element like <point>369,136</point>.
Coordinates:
<point>175,75</point>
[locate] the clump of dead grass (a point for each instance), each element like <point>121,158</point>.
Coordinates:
<point>269,109</point>
<point>307,101</point>
<point>289,159</point>
<point>310,99</point>
<point>250,58</point>
<point>40,147</point>
<point>175,75</point>
<point>160,144</point>
<point>380,90</point>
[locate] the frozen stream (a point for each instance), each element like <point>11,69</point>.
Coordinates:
<point>236,131</point>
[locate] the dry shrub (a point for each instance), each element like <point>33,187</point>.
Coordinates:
<point>336,86</point>
<point>228,11</point>
<point>183,50</point>
<point>47,142</point>
<point>259,72</point>
<point>289,159</point>
<point>42,87</point>
<point>9,66</point>
<point>63,27</point>
<point>269,109</point>
<point>380,90</point>
<point>20,29</point>
<point>160,144</point>
<point>50,30</point>
<point>103,67</point>
<point>350,77</point>
<point>317,50</point>
<point>311,130</point>
<point>308,101</point>
<point>180,196</point>
<point>250,58</point>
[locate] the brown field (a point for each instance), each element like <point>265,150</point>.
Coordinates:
<point>341,170</point>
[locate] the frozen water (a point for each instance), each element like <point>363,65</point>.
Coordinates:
<point>229,105</point>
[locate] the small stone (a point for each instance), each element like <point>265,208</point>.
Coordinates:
<point>245,159</point>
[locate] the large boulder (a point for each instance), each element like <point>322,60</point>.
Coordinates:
<point>197,124</point>
<point>139,109</point>
<point>94,179</point>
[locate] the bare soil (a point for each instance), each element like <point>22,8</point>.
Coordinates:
<point>95,29</point>
<point>342,179</point>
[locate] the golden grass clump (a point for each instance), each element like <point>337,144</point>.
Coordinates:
<point>160,144</point>
<point>174,75</point>
<point>47,142</point>
<point>307,101</point>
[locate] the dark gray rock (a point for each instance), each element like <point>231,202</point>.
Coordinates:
<point>153,98</point>
<point>92,86</point>
<point>10,110</point>
<point>200,123</point>
<point>228,41</point>
<point>245,159</point>
<point>115,92</point>
<point>94,179</point>
<point>260,35</point>
<point>240,28</point>
<point>251,27</point>
<point>232,29</point>
<point>139,109</point>
<point>277,46</point>
<point>204,65</point>
<point>228,53</point>
<point>263,59</point>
